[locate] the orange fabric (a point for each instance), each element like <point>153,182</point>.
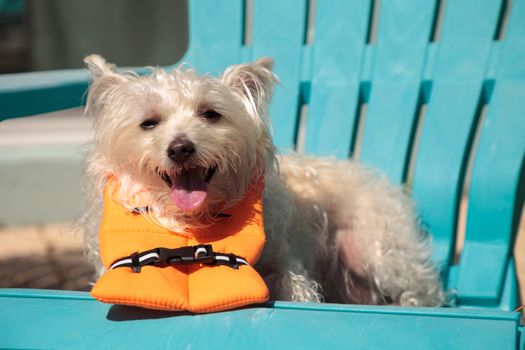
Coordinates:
<point>196,288</point>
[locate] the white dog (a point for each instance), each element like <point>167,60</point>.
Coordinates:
<point>193,145</point>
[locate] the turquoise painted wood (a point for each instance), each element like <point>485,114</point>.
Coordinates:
<point>279,34</point>
<point>452,113</point>
<point>497,170</point>
<point>465,78</point>
<point>40,92</point>
<point>33,93</point>
<point>216,35</point>
<point>402,39</point>
<point>28,319</point>
<point>340,38</point>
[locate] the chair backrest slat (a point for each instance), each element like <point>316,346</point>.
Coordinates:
<point>217,33</point>
<point>337,57</point>
<point>494,191</point>
<point>279,31</point>
<point>451,116</point>
<point>402,41</point>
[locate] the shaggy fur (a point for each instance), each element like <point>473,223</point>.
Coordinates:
<point>336,231</point>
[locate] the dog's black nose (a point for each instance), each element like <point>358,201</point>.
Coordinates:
<point>180,149</point>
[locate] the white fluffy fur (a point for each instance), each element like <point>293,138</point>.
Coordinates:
<point>336,231</point>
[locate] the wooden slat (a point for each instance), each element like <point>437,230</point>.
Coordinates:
<point>403,35</point>
<point>25,94</point>
<point>496,175</point>
<point>37,319</point>
<point>216,33</point>
<point>278,32</point>
<point>340,37</point>
<point>468,29</point>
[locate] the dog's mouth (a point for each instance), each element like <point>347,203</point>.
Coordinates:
<point>189,186</point>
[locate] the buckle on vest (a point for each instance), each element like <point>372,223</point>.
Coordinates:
<point>163,257</point>
<point>201,254</point>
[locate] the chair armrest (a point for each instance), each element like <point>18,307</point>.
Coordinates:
<point>25,94</point>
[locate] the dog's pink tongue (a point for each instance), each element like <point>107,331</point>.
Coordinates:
<point>189,189</point>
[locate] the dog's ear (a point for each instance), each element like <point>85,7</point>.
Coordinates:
<point>98,66</point>
<point>104,78</point>
<point>254,81</point>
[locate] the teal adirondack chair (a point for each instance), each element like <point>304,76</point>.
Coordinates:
<point>436,95</point>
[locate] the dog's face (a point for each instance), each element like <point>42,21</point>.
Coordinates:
<point>191,143</point>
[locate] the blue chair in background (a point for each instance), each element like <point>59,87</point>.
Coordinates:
<point>442,85</point>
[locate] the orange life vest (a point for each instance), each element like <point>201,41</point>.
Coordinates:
<point>194,287</point>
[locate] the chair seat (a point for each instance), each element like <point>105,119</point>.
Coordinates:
<point>63,319</point>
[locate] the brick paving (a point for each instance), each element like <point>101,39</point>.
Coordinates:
<point>48,257</point>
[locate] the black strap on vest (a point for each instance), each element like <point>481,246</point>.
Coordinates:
<point>161,257</point>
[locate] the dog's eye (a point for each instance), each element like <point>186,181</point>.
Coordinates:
<point>149,124</point>
<point>211,115</point>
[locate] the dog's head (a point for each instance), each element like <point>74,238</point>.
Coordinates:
<point>191,143</point>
